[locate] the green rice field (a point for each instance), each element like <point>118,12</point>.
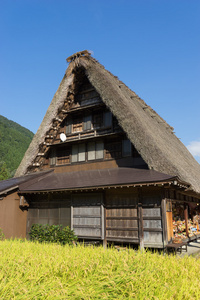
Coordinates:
<point>49,271</point>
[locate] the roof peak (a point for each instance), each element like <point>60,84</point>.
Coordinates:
<point>78,54</point>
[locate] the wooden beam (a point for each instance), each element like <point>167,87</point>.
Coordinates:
<point>72,225</point>
<point>125,218</point>
<point>126,229</point>
<point>186,218</point>
<point>140,227</point>
<point>164,221</point>
<point>103,211</point>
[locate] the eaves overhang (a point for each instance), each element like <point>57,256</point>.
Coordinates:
<point>100,180</point>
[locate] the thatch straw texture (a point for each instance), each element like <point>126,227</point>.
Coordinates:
<point>150,134</point>
<point>39,137</point>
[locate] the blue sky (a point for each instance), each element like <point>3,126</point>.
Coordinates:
<point>153,46</point>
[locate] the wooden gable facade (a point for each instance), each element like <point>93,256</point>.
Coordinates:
<point>100,173</point>
<point>90,138</point>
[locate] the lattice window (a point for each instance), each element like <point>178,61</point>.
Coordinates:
<point>78,153</point>
<point>107,119</point>
<point>95,150</point>
<point>68,125</point>
<point>87,122</point>
<point>77,124</point>
<point>53,157</point>
<point>126,148</point>
<point>113,150</point>
<point>98,120</point>
<point>63,156</point>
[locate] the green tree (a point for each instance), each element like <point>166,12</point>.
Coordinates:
<point>4,172</point>
<point>14,141</point>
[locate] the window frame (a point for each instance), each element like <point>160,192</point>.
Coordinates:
<point>125,143</point>
<point>76,156</point>
<point>95,150</point>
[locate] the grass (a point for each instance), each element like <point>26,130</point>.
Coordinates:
<point>48,271</point>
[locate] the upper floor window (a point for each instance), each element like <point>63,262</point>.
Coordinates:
<point>92,150</point>
<point>117,149</point>
<point>78,152</point>
<point>63,156</point>
<point>53,157</point>
<point>95,150</point>
<point>113,150</point>
<point>86,94</point>
<point>107,119</point>
<point>77,124</point>
<point>97,120</point>
<point>86,122</point>
<point>126,148</point>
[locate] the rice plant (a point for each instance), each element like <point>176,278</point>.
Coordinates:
<point>50,271</point>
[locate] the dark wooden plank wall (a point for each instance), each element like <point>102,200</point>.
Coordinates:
<point>112,215</point>
<point>121,215</point>
<point>123,222</point>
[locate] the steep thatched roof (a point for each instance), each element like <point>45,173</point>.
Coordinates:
<point>150,134</point>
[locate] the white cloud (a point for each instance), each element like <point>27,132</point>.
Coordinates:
<point>194,148</point>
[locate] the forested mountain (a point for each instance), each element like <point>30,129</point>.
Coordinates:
<point>14,140</point>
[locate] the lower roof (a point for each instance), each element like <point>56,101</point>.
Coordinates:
<point>93,179</point>
<point>14,183</point>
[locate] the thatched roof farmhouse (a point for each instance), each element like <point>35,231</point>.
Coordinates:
<point>106,164</point>
<point>153,138</point>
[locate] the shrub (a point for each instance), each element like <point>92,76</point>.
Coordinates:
<point>52,234</point>
<point>2,236</point>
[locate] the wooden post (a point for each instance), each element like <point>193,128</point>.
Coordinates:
<point>140,226</point>
<point>103,209</point>
<point>71,217</point>
<point>103,212</point>
<point>164,222</point>
<point>186,218</point>
<point>105,243</point>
